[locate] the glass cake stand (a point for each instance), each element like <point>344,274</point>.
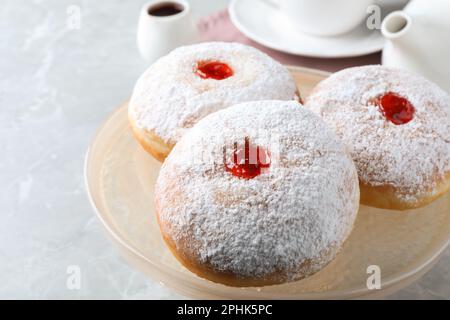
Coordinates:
<point>120,177</point>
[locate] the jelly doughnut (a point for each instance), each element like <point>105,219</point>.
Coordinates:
<point>257,194</point>
<point>396,125</point>
<point>194,81</point>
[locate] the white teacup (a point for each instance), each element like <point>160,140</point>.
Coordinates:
<point>163,26</point>
<point>323,17</point>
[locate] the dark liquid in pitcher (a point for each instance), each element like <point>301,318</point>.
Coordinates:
<point>165,9</point>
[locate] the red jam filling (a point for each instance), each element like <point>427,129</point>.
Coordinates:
<point>395,108</point>
<point>248,161</point>
<point>213,70</point>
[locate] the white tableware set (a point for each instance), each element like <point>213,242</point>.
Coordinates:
<point>415,38</point>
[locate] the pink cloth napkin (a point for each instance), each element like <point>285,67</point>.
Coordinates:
<point>218,27</point>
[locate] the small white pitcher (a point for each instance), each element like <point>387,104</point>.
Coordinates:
<point>418,40</point>
<point>158,34</point>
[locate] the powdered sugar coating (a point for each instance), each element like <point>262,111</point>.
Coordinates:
<point>291,220</point>
<point>411,157</point>
<point>170,98</point>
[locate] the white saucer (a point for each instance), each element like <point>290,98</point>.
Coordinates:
<point>270,28</point>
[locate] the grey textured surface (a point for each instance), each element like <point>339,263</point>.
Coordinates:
<point>57,85</point>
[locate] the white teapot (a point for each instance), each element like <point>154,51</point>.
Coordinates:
<point>419,40</point>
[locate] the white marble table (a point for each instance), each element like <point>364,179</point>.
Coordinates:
<point>57,84</point>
